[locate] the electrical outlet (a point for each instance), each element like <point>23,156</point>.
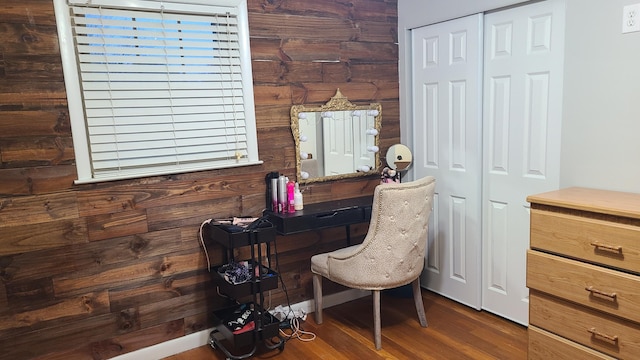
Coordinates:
<point>631,18</point>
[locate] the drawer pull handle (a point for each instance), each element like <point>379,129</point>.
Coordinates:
<point>327,215</point>
<point>596,333</point>
<point>615,248</point>
<point>593,290</point>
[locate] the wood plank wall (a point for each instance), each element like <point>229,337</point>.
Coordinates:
<point>94,271</point>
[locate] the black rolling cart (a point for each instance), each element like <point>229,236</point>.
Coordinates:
<point>242,326</point>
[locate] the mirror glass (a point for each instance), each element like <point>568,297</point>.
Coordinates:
<point>399,157</point>
<point>336,140</point>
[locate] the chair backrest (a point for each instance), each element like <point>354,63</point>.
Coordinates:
<point>393,251</point>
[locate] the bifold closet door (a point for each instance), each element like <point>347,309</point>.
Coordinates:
<point>446,75</point>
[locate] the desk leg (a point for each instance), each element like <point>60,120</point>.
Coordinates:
<point>348,235</point>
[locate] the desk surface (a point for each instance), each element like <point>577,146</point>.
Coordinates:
<point>323,215</point>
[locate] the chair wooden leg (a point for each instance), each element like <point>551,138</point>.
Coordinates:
<point>376,320</point>
<point>317,297</point>
<point>417,298</point>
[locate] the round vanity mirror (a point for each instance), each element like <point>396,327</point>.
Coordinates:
<point>399,157</point>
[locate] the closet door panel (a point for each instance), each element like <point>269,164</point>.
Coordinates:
<point>447,138</point>
<point>523,71</point>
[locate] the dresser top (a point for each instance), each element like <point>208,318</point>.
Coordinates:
<point>594,200</point>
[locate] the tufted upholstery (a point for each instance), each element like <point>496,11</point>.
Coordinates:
<point>392,253</point>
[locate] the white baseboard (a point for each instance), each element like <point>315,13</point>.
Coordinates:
<point>191,341</point>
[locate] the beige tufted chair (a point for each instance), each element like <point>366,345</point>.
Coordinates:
<point>391,255</point>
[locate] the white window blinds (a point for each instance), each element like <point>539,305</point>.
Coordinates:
<point>164,87</point>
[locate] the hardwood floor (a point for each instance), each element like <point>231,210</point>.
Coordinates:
<point>455,332</point>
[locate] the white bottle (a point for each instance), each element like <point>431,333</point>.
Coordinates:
<point>297,198</point>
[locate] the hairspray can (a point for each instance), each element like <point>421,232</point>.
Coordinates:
<point>282,194</point>
<point>274,194</point>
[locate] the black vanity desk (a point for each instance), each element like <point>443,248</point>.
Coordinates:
<point>323,215</point>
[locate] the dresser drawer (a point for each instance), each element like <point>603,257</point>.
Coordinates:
<point>611,291</point>
<point>607,334</point>
<point>594,240</point>
<point>544,345</point>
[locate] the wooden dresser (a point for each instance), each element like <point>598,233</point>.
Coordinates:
<point>583,272</point>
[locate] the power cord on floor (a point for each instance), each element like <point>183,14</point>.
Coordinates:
<point>296,331</point>
<point>290,319</point>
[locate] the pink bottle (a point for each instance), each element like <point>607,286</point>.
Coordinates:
<point>291,190</point>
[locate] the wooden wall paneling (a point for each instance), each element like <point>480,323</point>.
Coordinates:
<point>356,9</point>
<point>373,72</point>
<point>106,226</point>
<point>163,193</point>
<point>135,340</point>
<point>33,237</point>
<point>21,296</point>
<point>387,90</point>
<point>143,278</point>
<point>365,51</point>
<point>131,198</point>
<point>320,93</point>
<point>265,49</point>
<point>310,51</point>
<point>36,180</point>
<point>253,205</point>
<point>130,272</point>
<point>353,188</point>
<point>42,122</point>
<point>192,214</point>
<point>96,255</point>
<point>74,308</point>
<point>4,302</point>
<point>274,138</point>
<point>285,72</point>
<point>29,39</point>
<point>336,72</point>
<point>201,321</point>
<point>295,26</point>
<point>20,151</point>
<point>37,66</point>
<point>159,289</point>
<point>59,338</point>
<point>172,309</point>
<point>273,95</point>
<point>41,93</point>
<point>273,117</point>
<point>29,12</point>
<point>37,209</point>
<point>302,7</point>
<point>277,149</point>
<point>376,31</point>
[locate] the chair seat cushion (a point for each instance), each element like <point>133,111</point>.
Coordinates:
<point>320,262</point>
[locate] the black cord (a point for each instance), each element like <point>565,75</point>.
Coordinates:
<point>284,287</point>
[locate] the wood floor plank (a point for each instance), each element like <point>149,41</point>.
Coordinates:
<point>455,332</point>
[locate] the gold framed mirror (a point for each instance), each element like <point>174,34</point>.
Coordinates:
<point>337,140</point>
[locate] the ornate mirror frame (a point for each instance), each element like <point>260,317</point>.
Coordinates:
<point>339,103</point>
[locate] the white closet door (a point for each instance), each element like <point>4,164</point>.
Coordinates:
<point>446,75</point>
<point>523,71</point>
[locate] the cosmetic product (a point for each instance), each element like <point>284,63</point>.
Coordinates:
<point>297,198</point>
<point>291,186</point>
<point>282,194</point>
<point>274,195</point>
<point>271,180</point>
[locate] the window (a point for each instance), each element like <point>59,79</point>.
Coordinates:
<point>157,87</point>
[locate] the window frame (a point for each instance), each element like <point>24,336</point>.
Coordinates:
<point>79,126</point>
